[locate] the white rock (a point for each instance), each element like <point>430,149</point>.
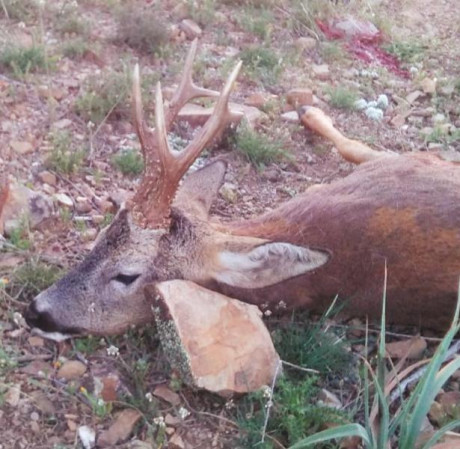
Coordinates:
<point>63,199</point>
<point>87,437</point>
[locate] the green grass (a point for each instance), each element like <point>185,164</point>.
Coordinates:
<point>75,48</point>
<point>21,10</point>
<point>142,29</point>
<point>256,21</point>
<point>20,236</point>
<point>23,60</point>
<point>408,51</point>
<point>31,278</point>
<point>258,148</point>
<point>129,162</point>
<point>342,97</point>
<point>261,64</point>
<point>104,95</point>
<point>65,156</point>
<point>72,24</point>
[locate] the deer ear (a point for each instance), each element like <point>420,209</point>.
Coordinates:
<point>267,264</point>
<point>199,189</point>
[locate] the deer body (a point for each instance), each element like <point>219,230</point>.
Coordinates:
<point>402,211</point>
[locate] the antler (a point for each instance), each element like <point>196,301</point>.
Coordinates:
<point>163,169</point>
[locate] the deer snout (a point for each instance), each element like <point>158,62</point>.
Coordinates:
<point>43,323</point>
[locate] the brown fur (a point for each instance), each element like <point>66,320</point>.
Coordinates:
<point>366,220</point>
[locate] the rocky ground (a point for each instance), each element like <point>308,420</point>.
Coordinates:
<point>65,131</point>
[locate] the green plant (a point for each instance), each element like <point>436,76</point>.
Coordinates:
<point>294,413</point>
<point>75,48</point>
<point>261,63</point>
<point>99,407</point>
<point>23,10</point>
<point>202,12</point>
<point>258,148</point>
<point>257,21</point>
<point>103,96</point>
<point>406,423</point>
<point>142,29</point>
<point>65,157</point>
<point>332,51</point>
<point>20,236</point>
<point>31,278</point>
<point>409,51</point>
<point>23,60</point>
<point>342,98</point>
<point>129,162</point>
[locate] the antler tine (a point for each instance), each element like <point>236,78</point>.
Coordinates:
<point>138,112</point>
<point>216,122</point>
<point>187,89</point>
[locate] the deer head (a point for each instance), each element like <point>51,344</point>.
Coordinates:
<point>163,233</point>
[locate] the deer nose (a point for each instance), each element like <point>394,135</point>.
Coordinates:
<point>40,320</point>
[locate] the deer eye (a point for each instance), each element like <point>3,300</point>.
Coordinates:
<point>126,279</point>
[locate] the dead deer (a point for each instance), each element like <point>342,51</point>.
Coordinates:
<point>398,210</point>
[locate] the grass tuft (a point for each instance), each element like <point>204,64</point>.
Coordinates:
<point>65,157</point>
<point>129,162</point>
<point>258,148</point>
<point>261,63</point>
<point>23,60</point>
<point>342,98</point>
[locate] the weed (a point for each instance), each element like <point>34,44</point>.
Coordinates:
<point>22,10</point>
<point>75,48</point>
<point>142,29</point>
<point>202,12</point>
<point>259,149</point>
<point>261,63</point>
<point>129,162</point>
<point>7,361</point>
<point>64,156</point>
<point>100,408</point>
<point>20,236</point>
<point>86,346</point>
<point>408,51</point>
<point>104,95</point>
<point>342,98</point>
<point>257,21</point>
<point>294,413</point>
<point>332,51</point>
<point>31,278</point>
<point>23,60</point>
<point>72,24</point>
<point>108,218</point>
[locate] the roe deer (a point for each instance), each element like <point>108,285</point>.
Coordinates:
<point>402,210</point>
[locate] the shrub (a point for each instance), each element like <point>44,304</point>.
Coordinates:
<point>65,157</point>
<point>23,60</point>
<point>129,162</point>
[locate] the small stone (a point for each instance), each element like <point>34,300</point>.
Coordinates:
<point>428,85</point>
<point>374,114</point>
<point>72,425</point>
<point>21,147</point>
<point>63,199</point>
<point>13,395</point>
<point>437,413</point>
<point>62,124</point>
<point>36,341</point>
<point>258,99</point>
<point>176,442</point>
<point>412,348</point>
<point>98,219</point>
<point>398,120</point>
<point>300,97</point>
<point>172,420</point>
<point>47,178</point>
<point>121,428</point>
<point>190,28</point>
<point>438,118</point>
<point>413,96</point>
<point>321,71</point>
<point>165,393</point>
<point>34,416</point>
<point>382,102</point>
<point>83,205</point>
<point>360,104</point>
<point>291,117</point>
<point>72,369</point>
<point>229,192</point>
<point>305,43</point>
<point>87,437</point>
<point>88,235</point>
<point>272,174</point>
<point>330,399</point>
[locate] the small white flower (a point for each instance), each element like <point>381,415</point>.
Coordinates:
<point>90,125</point>
<point>267,312</point>
<point>229,404</point>
<point>269,404</point>
<point>159,421</point>
<point>92,308</point>
<point>183,412</point>
<point>267,392</point>
<point>282,305</point>
<point>100,402</point>
<point>149,396</point>
<point>112,350</point>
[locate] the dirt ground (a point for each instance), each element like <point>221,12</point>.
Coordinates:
<point>38,410</point>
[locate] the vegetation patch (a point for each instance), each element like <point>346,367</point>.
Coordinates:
<point>65,156</point>
<point>129,162</point>
<point>258,148</point>
<point>342,97</point>
<point>23,60</point>
<point>262,63</point>
<point>142,29</point>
